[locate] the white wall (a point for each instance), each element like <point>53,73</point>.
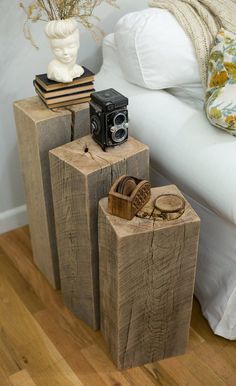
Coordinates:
<point>19,62</point>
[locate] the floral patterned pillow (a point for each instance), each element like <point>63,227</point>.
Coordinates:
<point>221,88</point>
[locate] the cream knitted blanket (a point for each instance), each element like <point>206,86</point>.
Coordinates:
<point>201,20</point>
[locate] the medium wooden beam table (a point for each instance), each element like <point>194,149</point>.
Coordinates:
<point>40,130</point>
<point>82,173</point>
<point>147,271</point>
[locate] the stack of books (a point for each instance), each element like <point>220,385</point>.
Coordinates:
<point>55,94</point>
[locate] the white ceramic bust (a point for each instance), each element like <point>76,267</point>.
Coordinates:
<point>64,40</point>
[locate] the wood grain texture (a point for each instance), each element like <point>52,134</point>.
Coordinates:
<point>127,196</point>
<point>22,378</point>
<point>147,272</point>
<point>80,120</point>
<point>27,344</point>
<point>80,347</point>
<point>82,173</point>
<point>40,130</point>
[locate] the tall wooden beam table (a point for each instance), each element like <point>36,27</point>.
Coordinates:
<point>40,130</point>
<point>82,173</point>
<point>147,271</point>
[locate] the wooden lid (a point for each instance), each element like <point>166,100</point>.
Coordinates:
<point>169,203</point>
<point>164,207</point>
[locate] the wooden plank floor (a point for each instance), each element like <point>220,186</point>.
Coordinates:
<point>42,343</point>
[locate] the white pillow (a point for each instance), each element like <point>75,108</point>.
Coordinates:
<point>154,50</point>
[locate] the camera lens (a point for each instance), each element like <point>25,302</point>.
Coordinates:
<point>119,131</point>
<point>118,135</point>
<point>119,119</point>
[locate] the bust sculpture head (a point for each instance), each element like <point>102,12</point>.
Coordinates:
<point>64,41</point>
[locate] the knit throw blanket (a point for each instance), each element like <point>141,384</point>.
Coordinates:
<point>201,20</point>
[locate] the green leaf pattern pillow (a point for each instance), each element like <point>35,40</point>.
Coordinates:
<point>221,88</point>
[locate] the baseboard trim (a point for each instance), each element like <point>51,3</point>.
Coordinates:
<point>13,218</point>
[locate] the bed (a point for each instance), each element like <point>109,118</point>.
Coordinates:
<point>200,159</point>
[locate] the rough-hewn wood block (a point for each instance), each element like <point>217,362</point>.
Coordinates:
<point>80,120</point>
<point>147,272</point>
<point>40,130</point>
<point>82,173</point>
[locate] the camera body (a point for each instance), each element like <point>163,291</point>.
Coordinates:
<point>109,118</point>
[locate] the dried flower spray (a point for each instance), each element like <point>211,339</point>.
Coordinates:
<point>47,10</point>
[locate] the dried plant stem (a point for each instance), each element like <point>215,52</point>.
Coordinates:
<point>72,7</point>
<point>47,10</point>
<point>51,9</point>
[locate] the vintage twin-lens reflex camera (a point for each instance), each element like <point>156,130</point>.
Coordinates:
<point>109,117</point>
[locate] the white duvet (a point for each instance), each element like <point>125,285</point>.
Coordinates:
<point>200,160</point>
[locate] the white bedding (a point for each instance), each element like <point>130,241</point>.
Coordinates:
<point>200,160</point>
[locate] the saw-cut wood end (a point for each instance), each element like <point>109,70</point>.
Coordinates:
<point>169,203</point>
<point>165,207</point>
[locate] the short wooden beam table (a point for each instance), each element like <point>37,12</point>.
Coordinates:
<point>147,271</point>
<point>82,173</point>
<point>40,130</point>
